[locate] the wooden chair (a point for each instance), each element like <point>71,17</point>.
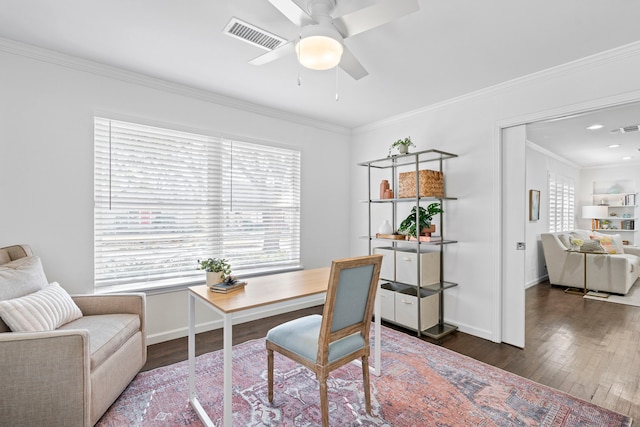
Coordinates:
<point>340,335</point>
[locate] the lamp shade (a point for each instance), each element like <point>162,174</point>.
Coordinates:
<point>320,47</point>
<point>595,212</point>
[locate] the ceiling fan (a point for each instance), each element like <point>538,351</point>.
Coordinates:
<point>321,42</point>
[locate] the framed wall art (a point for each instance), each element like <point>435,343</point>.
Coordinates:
<point>534,205</point>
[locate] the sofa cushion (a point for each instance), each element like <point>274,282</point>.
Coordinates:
<point>107,333</point>
<point>21,277</point>
<point>44,310</point>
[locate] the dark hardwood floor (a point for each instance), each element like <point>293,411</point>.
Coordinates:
<point>589,349</point>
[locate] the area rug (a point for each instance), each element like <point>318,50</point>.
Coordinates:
<point>631,298</point>
<point>421,385</point>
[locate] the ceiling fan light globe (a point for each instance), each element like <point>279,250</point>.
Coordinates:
<point>319,52</point>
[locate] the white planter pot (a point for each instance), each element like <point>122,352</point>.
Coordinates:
<point>213,278</point>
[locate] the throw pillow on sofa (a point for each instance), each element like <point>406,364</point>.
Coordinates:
<point>44,310</point>
<point>609,243</point>
<point>21,277</point>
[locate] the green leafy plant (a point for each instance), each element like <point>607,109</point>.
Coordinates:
<point>216,265</point>
<point>401,143</point>
<point>410,227</point>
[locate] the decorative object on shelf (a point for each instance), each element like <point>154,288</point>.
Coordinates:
<point>402,145</point>
<point>218,270</point>
<point>385,227</point>
<point>615,189</point>
<point>409,226</point>
<point>388,194</point>
<point>534,205</point>
<point>384,186</point>
<point>605,223</point>
<point>431,184</point>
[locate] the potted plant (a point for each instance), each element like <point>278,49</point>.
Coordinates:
<point>410,228</point>
<point>218,270</point>
<point>402,145</point>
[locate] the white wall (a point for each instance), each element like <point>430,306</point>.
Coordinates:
<point>539,164</point>
<point>46,164</point>
<point>469,126</point>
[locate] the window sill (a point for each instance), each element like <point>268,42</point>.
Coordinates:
<point>176,285</point>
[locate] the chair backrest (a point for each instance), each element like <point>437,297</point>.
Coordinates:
<point>350,296</point>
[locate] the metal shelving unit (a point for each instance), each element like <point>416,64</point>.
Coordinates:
<point>393,165</point>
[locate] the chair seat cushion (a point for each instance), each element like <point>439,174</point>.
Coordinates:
<point>107,333</point>
<point>301,335</point>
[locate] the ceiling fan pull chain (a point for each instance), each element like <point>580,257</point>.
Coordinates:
<point>299,65</point>
<point>337,94</point>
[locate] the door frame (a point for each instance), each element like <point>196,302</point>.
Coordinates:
<point>500,200</point>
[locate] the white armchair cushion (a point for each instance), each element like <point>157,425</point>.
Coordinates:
<point>44,310</point>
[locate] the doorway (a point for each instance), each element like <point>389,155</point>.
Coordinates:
<point>512,136</point>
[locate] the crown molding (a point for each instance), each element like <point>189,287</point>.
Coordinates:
<point>544,151</point>
<point>92,67</point>
<point>598,59</point>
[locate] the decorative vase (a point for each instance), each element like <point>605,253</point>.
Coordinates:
<point>214,277</point>
<point>385,227</point>
<point>403,149</point>
<point>384,186</point>
<point>388,194</point>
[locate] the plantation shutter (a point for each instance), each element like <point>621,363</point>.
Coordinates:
<point>165,198</point>
<point>561,203</point>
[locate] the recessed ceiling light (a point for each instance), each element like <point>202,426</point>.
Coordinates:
<point>614,145</point>
<point>626,158</point>
<point>595,127</point>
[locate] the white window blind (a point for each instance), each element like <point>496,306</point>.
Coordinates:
<point>561,203</point>
<point>165,198</point>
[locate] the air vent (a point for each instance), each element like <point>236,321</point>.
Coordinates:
<point>626,129</point>
<point>252,34</point>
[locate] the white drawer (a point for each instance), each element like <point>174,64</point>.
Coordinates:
<point>387,304</point>
<point>387,268</point>
<point>407,310</point>
<point>407,269</point>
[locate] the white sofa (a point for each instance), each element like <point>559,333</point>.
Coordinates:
<point>614,273</point>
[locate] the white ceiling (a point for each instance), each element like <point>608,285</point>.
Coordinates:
<point>569,137</point>
<point>447,49</point>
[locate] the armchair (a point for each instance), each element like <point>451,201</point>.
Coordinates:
<point>69,376</point>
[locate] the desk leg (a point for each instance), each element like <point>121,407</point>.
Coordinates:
<point>192,348</point>
<point>228,369</point>
<point>193,397</point>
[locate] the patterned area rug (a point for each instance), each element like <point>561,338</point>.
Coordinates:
<point>421,385</point>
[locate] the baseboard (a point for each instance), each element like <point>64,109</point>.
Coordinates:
<point>266,311</point>
<point>536,281</point>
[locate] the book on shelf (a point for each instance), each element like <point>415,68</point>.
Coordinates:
<point>225,287</point>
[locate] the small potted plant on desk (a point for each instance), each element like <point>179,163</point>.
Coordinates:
<point>412,229</point>
<point>218,270</point>
<point>402,145</point>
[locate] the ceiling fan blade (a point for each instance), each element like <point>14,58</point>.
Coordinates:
<point>351,65</point>
<point>277,53</point>
<point>374,16</point>
<point>292,11</point>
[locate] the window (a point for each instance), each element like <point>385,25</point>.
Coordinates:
<point>165,198</point>
<point>561,203</point>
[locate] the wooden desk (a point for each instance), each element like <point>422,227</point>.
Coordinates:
<point>260,291</point>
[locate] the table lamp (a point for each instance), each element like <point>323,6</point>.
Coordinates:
<point>595,212</point>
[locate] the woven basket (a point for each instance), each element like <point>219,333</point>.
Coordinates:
<point>431,184</point>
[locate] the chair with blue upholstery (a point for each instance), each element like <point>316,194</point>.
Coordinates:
<point>340,335</point>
